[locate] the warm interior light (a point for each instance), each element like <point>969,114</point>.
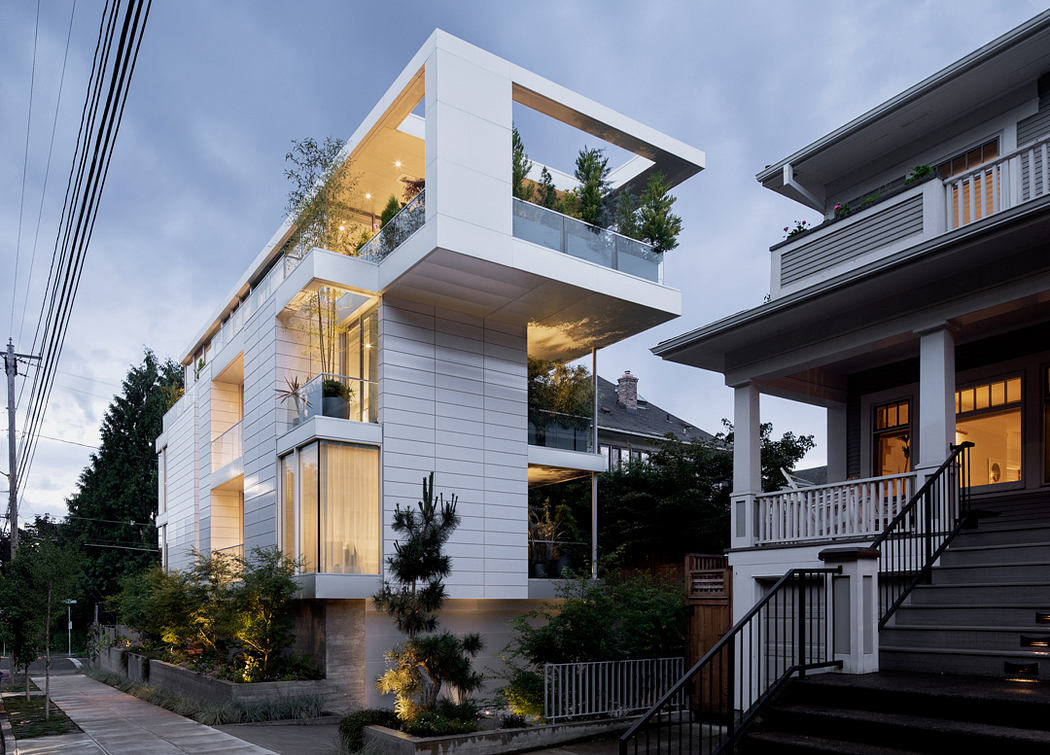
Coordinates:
<point>1042,617</point>
<point>397,163</point>
<point>1035,641</point>
<point>368,196</point>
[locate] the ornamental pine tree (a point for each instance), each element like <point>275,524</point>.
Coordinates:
<point>547,195</point>
<point>418,667</point>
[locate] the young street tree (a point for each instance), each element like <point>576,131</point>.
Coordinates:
<point>36,584</point>
<point>116,499</point>
<point>418,667</point>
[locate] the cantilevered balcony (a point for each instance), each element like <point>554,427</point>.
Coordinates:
<point>337,396</point>
<point>558,430</point>
<point>585,241</point>
<point>910,216</point>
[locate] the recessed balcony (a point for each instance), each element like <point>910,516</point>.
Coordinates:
<point>568,432</point>
<point>227,447</point>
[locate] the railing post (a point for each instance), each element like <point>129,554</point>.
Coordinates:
<point>854,608</point>
<point>800,591</point>
<point>730,671</point>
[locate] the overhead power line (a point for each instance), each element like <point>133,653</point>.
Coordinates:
<point>116,53</point>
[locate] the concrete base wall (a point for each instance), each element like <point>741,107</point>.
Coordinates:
<point>389,742</point>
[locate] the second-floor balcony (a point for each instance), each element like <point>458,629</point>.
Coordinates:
<point>911,216</point>
<point>338,396</point>
<point>587,242</point>
<point>568,432</point>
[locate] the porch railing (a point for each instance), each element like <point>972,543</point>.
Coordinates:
<point>922,529</point>
<point>858,508</point>
<point>619,688</point>
<point>788,632</point>
<point>1018,177</point>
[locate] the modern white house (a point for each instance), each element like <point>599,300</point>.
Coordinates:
<point>917,314</point>
<point>409,356</point>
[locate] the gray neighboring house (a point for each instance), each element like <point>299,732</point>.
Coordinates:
<point>629,427</point>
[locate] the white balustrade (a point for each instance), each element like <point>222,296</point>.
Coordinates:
<point>824,512</point>
<point>998,185</point>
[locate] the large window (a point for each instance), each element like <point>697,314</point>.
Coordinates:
<point>360,362</point>
<point>891,442</point>
<point>330,507</point>
<point>989,416</point>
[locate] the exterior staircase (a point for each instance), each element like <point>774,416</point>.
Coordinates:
<point>899,712</point>
<point>965,661</point>
<point>987,609</point>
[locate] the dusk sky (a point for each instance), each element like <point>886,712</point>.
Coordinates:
<point>196,187</point>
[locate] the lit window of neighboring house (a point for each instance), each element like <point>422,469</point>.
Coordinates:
<point>982,184</point>
<point>989,416</point>
<point>892,439</point>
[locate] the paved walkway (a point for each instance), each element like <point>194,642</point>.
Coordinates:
<point>116,723</point>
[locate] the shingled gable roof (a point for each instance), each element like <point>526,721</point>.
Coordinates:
<point>647,420</point>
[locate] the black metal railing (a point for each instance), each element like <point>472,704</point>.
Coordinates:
<point>788,632</point>
<point>917,536</point>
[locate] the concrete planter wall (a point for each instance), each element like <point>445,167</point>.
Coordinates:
<point>390,742</point>
<point>177,681</point>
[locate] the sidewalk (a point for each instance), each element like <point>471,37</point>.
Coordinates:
<point>114,723</point>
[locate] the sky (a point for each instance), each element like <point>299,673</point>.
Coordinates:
<point>196,186</point>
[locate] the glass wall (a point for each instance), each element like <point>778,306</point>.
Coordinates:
<point>989,416</point>
<point>334,521</point>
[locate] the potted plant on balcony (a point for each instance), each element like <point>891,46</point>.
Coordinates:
<point>294,393</point>
<point>336,396</point>
<point>545,531</point>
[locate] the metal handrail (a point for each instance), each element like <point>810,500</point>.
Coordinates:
<point>913,542</point>
<point>724,726</point>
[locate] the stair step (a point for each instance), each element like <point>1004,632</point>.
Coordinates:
<point>962,637</point>
<point>992,572</point>
<point>1035,593</point>
<point>951,614</point>
<point>1003,533</point>
<point>921,733</point>
<point>958,660</point>
<point>1013,553</point>
<point>791,742</point>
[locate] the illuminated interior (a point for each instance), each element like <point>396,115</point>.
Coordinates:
<point>989,416</point>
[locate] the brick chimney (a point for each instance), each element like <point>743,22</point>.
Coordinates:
<point>627,390</point>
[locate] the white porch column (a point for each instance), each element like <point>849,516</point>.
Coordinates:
<point>747,463</point>
<point>836,443</point>
<point>936,396</point>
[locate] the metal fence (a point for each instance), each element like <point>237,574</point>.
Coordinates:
<point>576,690</point>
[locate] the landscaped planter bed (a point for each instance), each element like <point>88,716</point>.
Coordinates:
<point>391,742</point>
<point>181,682</point>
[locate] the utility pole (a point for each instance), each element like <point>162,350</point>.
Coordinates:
<point>11,365</point>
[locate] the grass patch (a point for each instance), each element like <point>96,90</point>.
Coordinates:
<point>299,707</point>
<point>27,719</point>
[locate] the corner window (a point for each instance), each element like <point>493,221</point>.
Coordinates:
<point>989,416</point>
<point>334,523</point>
<point>891,441</point>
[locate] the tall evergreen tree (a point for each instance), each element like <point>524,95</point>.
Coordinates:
<point>657,224</point>
<point>547,195</point>
<point>592,171</point>
<point>116,499</point>
<point>520,167</point>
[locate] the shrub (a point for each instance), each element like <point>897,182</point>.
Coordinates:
<point>351,728</point>
<point>523,694</point>
<point>434,724</point>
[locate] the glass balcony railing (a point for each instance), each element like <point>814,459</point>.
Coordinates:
<point>587,242</point>
<point>232,551</point>
<point>338,396</point>
<point>226,448</point>
<point>557,430</point>
<point>397,230</point>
